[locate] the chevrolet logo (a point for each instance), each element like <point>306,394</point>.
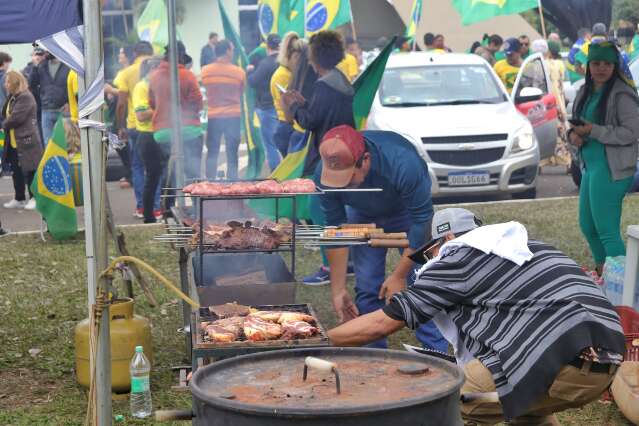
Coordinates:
<point>466,146</point>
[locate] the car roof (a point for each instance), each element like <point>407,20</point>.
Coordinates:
<point>412,59</point>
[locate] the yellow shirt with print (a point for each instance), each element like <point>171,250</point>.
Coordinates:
<point>72,92</point>
<point>507,73</point>
<point>140,100</point>
<point>282,77</point>
<point>349,67</point>
<point>125,82</point>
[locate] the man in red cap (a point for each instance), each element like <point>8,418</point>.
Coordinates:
<point>375,159</point>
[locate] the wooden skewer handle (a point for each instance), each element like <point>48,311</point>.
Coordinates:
<point>357,225</point>
<point>382,236</point>
<point>388,243</point>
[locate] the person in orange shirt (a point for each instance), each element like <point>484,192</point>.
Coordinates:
<point>224,83</point>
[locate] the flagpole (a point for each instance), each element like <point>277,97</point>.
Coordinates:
<point>350,9</point>
<point>177,149</point>
<point>541,16</point>
<point>305,6</point>
<point>94,193</point>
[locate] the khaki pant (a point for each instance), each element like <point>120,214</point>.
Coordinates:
<point>572,388</point>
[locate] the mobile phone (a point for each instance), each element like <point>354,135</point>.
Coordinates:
<point>576,122</point>
<point>280,88</point>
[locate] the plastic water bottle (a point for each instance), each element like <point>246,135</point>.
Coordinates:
<point>613,276</point>
<point>140,370</point>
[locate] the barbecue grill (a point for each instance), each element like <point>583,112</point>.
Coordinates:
<point>206,349</point>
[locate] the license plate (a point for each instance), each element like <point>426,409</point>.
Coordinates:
<point>468,179</point>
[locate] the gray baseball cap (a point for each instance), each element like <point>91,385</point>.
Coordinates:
<point>453,220</point>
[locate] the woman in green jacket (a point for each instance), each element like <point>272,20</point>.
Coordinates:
<point>607,139</point>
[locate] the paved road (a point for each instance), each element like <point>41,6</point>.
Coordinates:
<point>553,182</point>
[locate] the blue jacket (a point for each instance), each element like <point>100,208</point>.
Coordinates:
<point>401,173</point>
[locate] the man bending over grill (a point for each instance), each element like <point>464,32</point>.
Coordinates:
<point>384,160</point>
<point>523,318</point>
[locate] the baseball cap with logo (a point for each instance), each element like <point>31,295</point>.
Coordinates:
<point>453,220</point>
<point>340,149</point>
<point>511,46</point>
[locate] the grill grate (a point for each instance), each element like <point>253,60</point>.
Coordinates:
<point>203,314</point>
<point>467,158</point>
<point>496,137</point>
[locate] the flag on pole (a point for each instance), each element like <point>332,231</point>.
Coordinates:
<point>249,130</point>
<point>268,16</point>
<point>326,15</point>
<point>153,25</point>
<point>415,17</point>
<point>473,11</point>
<point>52,188</point>
<point>291,17</point>
<point>292,165</point>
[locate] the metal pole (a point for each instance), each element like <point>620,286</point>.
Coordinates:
<point>541,16</point>
<point>177,146</point>
<point>305,10</point>
<point>350,9</point>
<point>94,155</point>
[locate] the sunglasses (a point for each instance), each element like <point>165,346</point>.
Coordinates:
<point>428,250</point>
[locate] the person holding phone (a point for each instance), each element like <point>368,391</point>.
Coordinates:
<point>605,128</point>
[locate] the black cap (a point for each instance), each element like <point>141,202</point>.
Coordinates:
<point>273,41</point>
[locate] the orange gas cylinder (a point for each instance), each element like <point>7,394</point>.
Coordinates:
<point>127,331</point>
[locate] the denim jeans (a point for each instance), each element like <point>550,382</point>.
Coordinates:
<point>155,157</point>
<point>268,126</point>
<point>137,167</point>
<point>192,159</point>
<point>370,272</point>
<point>282,136</point>
<point>229,127</point>
<point>49,118</point>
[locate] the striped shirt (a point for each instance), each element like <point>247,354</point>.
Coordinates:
<point>524,323</point>
<point>224,86</point>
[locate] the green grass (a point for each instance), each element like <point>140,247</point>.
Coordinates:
<point>43,296</point>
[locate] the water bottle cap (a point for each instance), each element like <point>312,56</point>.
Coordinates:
<point>139,349</point>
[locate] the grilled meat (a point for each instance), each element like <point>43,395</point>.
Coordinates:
<point>217,333</point>
<point>257,329</point>
<point>295,316</point>
<point>272,316</point>
<point>292,330</point>
<point>237,235</point>
<point>229,310</point>
<point>216,189</point>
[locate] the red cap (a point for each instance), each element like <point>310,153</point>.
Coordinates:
<point>340,149</point>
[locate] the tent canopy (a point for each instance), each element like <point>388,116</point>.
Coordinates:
<point>24,21</point>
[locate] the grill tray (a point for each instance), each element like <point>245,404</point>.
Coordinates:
<point>203,314</point>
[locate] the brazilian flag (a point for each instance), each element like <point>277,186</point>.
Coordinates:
<point>292,165</point>
<point>326,15</point>
<point>473,11</point>
<point>153,25</point>
<point>249,129</point>
<point>52,187</point>
<point>280,16</point>
<point>415,17</point>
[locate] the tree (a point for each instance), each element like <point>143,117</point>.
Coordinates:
<point>571,15</point>
<point>627,10</point>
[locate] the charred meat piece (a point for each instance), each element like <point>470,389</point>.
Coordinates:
<point>295,316</point>
<point>292,330</point>
<point>272,316</point>
<point>229,310</point>
<point>256,329</point>
<point>217,333</point>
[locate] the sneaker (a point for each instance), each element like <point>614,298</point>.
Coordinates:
<point>124,183</point>
<point>31,204</point>
<point>4,232</point>
<point>320,277</point>
<point>138,213</point>
<point>15,204</point>
<point>157,214</point>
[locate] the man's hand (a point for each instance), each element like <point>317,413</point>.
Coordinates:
<point>391,286</point>
<point>292,97</point>
<point>250,68</point>
<point>575,139</point>
<point>344,306</point>
<point>583,131</point>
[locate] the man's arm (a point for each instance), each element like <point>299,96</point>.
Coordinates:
<point>365,329</point>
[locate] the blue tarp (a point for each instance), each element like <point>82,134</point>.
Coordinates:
<point>24,21</point>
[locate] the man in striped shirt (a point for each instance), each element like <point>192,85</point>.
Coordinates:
<point>525,321</point>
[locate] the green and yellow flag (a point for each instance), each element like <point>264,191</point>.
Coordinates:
<point>280,16</point>
<point>52,187</point>
<point>415,17</point>
<point>326,15</point>
<point>250,131</point>
<point>473,11</point>
<point>153,25</point>
<point>1,143</point>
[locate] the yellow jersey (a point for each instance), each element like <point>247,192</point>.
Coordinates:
<point>282,77</point>
<point>349,67</point>
<point>125,82</point>
<point>140,100</point>
<point>507,73</point>
<point>72,92</point>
